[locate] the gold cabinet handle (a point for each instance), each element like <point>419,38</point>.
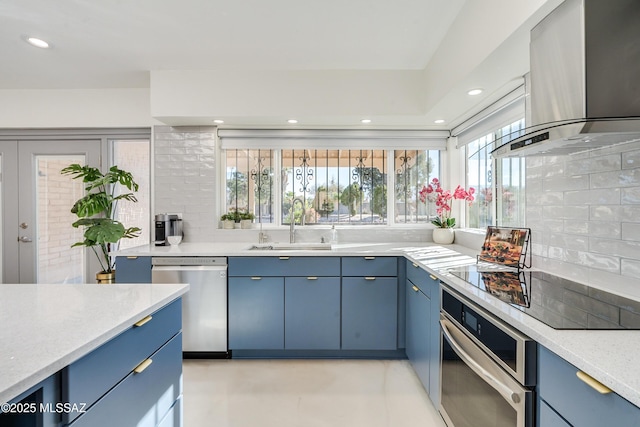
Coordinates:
<point>415,288</point>
<point>256,278</point>
<point>593,383</point>
<point>369,278</point>
<point>143,321</point>
<point>414,264</point>
<point>433,277</point>
<point>132,257</point>
<point>312,278</point>
<point>284,257</point>
<point>141,367</point>
<point>369,257</point>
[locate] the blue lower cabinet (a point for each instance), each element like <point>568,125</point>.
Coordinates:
<point>256,313</point>
<point>143,398</point>
<point>88,378</point>
<point>312,313</point>
<point>576,400</point>
<point>547,417</point>
<point>133,269</point>
<point>433,286</point>
<point>418,332</point>
<point>369,313</point>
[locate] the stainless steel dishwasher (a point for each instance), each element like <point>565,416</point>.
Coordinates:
<point>204,307</point>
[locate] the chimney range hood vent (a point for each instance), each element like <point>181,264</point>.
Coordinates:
<point>585,80</point>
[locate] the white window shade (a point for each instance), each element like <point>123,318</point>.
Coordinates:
<point>332,139</point>
<point>505,111</point>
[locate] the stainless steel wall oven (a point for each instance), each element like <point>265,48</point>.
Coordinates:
<point>488,368</point>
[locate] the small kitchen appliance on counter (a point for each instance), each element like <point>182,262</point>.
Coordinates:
<point>167,225</point>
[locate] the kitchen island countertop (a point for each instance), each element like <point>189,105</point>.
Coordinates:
<point>45,327</point>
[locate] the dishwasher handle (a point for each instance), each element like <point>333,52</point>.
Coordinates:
<point>189,267</point>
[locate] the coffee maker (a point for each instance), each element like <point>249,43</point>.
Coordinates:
<point>167,225</point>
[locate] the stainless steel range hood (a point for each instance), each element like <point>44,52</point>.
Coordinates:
<point>585,80</point>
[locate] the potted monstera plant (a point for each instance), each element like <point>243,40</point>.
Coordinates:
<point>96,212</point>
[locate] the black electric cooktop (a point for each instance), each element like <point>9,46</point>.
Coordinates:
<point>555,301</point>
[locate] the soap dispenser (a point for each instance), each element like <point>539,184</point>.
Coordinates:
<point>334,234</point>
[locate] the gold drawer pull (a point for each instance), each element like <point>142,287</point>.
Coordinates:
<point>141,367</point>
<point>369,278</point>
<point>143,321</point>
<point>414,264</point>
<point>256,278</point>
<point>132,257</point>
<point>284,257</point>
<point>312,278</point>
<point>369,257</point>
<point>433,277</point>
<point>593,383</point>
<point>415,288</point>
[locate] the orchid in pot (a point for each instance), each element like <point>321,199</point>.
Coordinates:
<point>443,199</point>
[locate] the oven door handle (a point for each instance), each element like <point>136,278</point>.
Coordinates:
<point>512,396</point>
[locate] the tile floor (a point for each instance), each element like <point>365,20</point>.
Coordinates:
<point>305,393</point>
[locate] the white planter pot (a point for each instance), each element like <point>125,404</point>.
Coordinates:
<point>246,223</point>
<point>443,236</point>
<point>228,224</point>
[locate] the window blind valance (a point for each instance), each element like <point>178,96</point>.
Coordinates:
<point>505,111</point>
<point>332,139</point>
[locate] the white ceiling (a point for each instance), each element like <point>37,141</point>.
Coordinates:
<point>114,44</point>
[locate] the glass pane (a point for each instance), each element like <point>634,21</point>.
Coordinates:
<point>480,176</point>
<point>57,261</point>
<point>249,184</point>
<point>414,169</point>
<point>133,156</point>
<point>341,186</point>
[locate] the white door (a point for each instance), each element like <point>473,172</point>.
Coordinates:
<point>36,201</point>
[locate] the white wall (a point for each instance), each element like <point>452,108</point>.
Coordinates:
<point>339,94</point>
<point>75,108</point>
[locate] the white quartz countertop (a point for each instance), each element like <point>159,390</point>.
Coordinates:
<point>608,356</point>
<point>45,327</point>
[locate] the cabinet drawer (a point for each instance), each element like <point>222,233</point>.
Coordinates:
<point>369,266</point>
<point>135,269</point>
<point>420,277</point>
<point>284,266</point>
<point>577,402</point>
<point>87,379</point>
<point>547,417</point>
<point>141,399</point>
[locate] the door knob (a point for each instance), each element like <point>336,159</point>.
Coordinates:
<point>25,239</point>
<point>24,225</point>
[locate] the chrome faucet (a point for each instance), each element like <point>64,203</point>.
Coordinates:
<point>292,221</point>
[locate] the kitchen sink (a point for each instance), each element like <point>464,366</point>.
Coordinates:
<point>291,247</point>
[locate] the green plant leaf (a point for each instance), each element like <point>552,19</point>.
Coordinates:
<point>92,204</point>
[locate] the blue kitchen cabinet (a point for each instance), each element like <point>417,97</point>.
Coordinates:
<point>574,400</point>
<point>422,326</point>
<point>133,269</point>
<point>418,331</point>
<point>369,313</point>
<point>369,303</point>
<point>256,313</point>
<point>133,379</point>
<point>312,313</point>
<point>284,302</point>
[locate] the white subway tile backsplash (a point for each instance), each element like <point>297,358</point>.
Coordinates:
<point>595,224</point>
<point>609,196</point>
<point>630,231</point>
<point>630,195</point>
<point>623,178</point>
<point>631,159</point>
<point>184,177</point>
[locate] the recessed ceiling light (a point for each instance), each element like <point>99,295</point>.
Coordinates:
<point>218,121</point>
<point>438,122</point>
<point>292,121</point>
<point>365,121</point>
<point>37,42</point>
<point>474,92</point>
